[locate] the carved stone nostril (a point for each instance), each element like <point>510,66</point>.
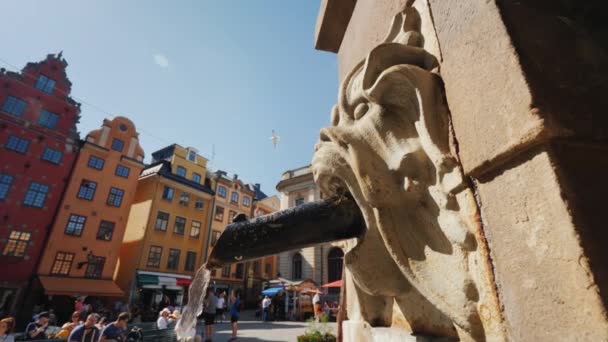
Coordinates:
<point>323,136</point>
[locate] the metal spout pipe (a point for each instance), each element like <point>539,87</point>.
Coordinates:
<point>335,218</point>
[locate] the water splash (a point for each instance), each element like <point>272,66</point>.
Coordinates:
<point>186,326</point>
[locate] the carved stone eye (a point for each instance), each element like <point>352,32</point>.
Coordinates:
<point>360,110</point>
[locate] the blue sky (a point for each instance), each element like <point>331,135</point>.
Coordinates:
<point>197,73</point>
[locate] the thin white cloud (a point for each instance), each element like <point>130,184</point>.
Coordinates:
<point>161,60</point>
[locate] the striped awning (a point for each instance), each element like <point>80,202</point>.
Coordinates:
<point>167,279</point>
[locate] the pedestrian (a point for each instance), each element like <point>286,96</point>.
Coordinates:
<point>163,319</point>
<point>209,307</point>
<point>265,308</point>
<point>79,304</point>
<point>35,330</point>
<point>221,305</point>
<point>6,325</point>
<point>115,331</point>
<point>235,309</point>
<point>67,328</point>
<point>316,303</point>
<point>86,332</point>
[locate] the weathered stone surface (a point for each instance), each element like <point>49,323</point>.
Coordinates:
<point>544,281</point>
<point>512,77</point>
<point>332,21</point>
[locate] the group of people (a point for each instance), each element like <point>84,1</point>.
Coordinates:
<point>92,329</point>
<point>167,319</point>
<point>215,306</point>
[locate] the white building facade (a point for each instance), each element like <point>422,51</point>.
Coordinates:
<point>321,263</point>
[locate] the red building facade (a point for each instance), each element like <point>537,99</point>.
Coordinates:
<point>38,146</point>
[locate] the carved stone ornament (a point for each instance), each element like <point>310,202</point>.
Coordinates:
<point>422,265</point>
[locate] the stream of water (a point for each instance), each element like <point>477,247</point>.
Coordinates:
<point>186,326</point>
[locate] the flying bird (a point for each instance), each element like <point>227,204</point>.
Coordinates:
<point>275,139</point>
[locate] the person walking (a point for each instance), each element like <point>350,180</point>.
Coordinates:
<point>6,325</point>
<point>209,312</point>
<point>316,303</point>
<point>221,305</point>
<point>265,308</point>
<point>35,330</point>
<point>235,309</point>
<point>86,332</point>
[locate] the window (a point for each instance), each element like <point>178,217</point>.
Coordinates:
<point>48,119</point>
<point>181,171</point>
<point>62,263</point>
<point>299,201</point>
<point>45,84</point>
<point>106,229</point>
<point>296,271</point>
<point>226,271</point>
<point>118,145</point>
<point>95,267</point>
<point>75,225</point>
<point>5,185</point>
<point>246,201</point>
<point>256,267</point>
<point>184,199</point>
<point>192,156</point>
<point>215,235</point>
<point>239,270</point>
<point>115,197</point>
<point>122,171</point>
<point>190,261</point>
<point>52,155</point>
<point>35,195</point>
<point>168,193</point>
<point>219,214</point>
<point>87,190</point>
<point>17,243</point>
<point>221,191</point>
<point>199,204</point>
<point>231,215</point>
<point>195,229</point>
<point>95,162</point>
<point>162,221</point>
<point>334,267</point>
<point>173,260</point>
<point>180,225</point>
<point>196,178</point>
<point>154,256</point>
<point>17,144</point>
<point>267,269</point>
<point>234,198</point>
<point>14,106</point>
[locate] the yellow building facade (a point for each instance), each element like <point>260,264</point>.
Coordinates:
<point>167,229</point>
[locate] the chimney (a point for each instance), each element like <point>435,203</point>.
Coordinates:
<point>236,176</point>
<point>257,186</point>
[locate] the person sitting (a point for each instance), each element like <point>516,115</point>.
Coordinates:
<point>35,330</point>
<point>67,328</point>
<point>114,332</point>
<point>173,318</point>
<point>163,319</point>
<point>86,332</point>
<point>6,325</point>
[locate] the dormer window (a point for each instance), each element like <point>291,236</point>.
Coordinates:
<point>192,156</point>
<point>45,84</point>
<point>181,171</point>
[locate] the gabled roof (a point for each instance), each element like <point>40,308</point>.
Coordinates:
<point>163,168</point>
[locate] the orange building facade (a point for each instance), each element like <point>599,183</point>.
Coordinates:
<point>82,250</point>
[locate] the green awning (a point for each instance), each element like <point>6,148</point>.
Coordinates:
<point>147,279</point>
